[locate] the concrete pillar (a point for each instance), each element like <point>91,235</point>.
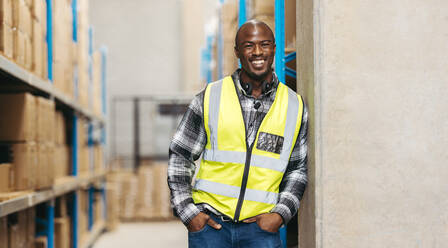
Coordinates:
<point>375,77</point>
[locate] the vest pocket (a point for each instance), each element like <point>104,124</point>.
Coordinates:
<point>270,142</point>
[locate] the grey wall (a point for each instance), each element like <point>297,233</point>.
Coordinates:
<point>144,53</point>
<point>377,80</point>
<point>143,40</point>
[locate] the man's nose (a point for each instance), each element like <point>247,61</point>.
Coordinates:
<point>257,50</point>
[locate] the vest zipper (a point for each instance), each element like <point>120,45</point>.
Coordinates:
<point>244,182</point>
<point>239,205</point>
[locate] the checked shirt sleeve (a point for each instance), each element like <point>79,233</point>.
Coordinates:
<point>186,147</point>
<point>295,178</point>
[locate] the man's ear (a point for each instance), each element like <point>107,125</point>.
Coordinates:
<point>236,51</point>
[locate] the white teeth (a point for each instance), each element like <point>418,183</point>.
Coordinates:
<point>258,62</point>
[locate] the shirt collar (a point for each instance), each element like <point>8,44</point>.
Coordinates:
<point>240,91</point>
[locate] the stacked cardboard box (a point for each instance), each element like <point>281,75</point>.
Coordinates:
<point>96,83</point>
<point>62,232</point>
<point>4,232</point>
<point>98,153</point>
<point>6,28</point>
<point>24,166</point>
<point>229,18</point>
<point>98,208</point>
<point>39,49</point>
<point>139,196</point>
<point>126,185</point>
<point>128,197</point>
<point>62,236</point>
<point>83,148</point>
<point>18,136</point>
<point>45,146</point>
<point>30,227</point>
<point>20,229</point>
<point>5,174</point>
<point>82,215</point>
<point>41,242</point>
<point>153,201</point>
<point>63,47</point>
<point>28,136</point>
<point>82,62</point>
<point>62,150</point>
<point>113,203</point>
<point>23,32</point>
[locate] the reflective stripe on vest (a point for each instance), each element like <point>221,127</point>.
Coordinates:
<point>220,178</point>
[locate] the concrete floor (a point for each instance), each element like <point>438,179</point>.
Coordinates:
<point>145,235</point>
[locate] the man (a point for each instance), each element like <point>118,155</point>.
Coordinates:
<point>251,132</point>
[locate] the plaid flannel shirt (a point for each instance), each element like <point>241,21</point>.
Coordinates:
<point>189,142</point>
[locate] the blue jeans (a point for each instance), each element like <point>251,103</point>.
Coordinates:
<point>233,235</point>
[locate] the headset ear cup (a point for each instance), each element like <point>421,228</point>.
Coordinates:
<point>247,88</point>
<point>266,86</point>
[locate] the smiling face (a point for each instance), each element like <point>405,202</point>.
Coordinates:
<point>255,47</point>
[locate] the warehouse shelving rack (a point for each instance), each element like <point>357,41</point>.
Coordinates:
<point>19,79</point>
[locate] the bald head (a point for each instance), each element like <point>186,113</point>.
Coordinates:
<point>252,24</point>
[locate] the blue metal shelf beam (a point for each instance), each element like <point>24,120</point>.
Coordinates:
<point>290,57</point>
<point>280,39</point>
<point>290,72</point>
<point>243,13</point>
<point>50,38</point>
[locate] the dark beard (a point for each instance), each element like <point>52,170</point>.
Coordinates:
<point>256,77</point>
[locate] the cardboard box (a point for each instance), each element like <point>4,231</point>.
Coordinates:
<point>146,203</point>
<point>96,82</point>
<point>263,7</point>
<point>112,206</point>
<point>62,232</point>
<point>4,232</point>
<point>6,12</point>
<point>41,242</point>
<point>30,227</point>
<point>39,11</point>
<point>128,195</point>
<point>19,113</point>
<point>21,16</point>
<point>4,177</point>
<point>162,194</point>
<point>45,61</point>
<point>61,207</point>
<point>98,209</point>
<point>82,214</point>
<point>19,47</point>
<point>17,228</point>
<point>229,11</point>
<point>28,63</point>
<point>29,4</point>
<point>290,24</point>
<point>24,166</point>
<point>37,49</point>
<point>153,201</point>
<point>45,174</point>
<point>6,40</point>
<point>45,120</point>
<point>61,161</point>
<point>60,129</point>
<point>98,158</point>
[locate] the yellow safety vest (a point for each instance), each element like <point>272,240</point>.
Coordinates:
<point>237,180</point>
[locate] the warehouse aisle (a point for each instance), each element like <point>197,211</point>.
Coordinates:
<point>145,235</point>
